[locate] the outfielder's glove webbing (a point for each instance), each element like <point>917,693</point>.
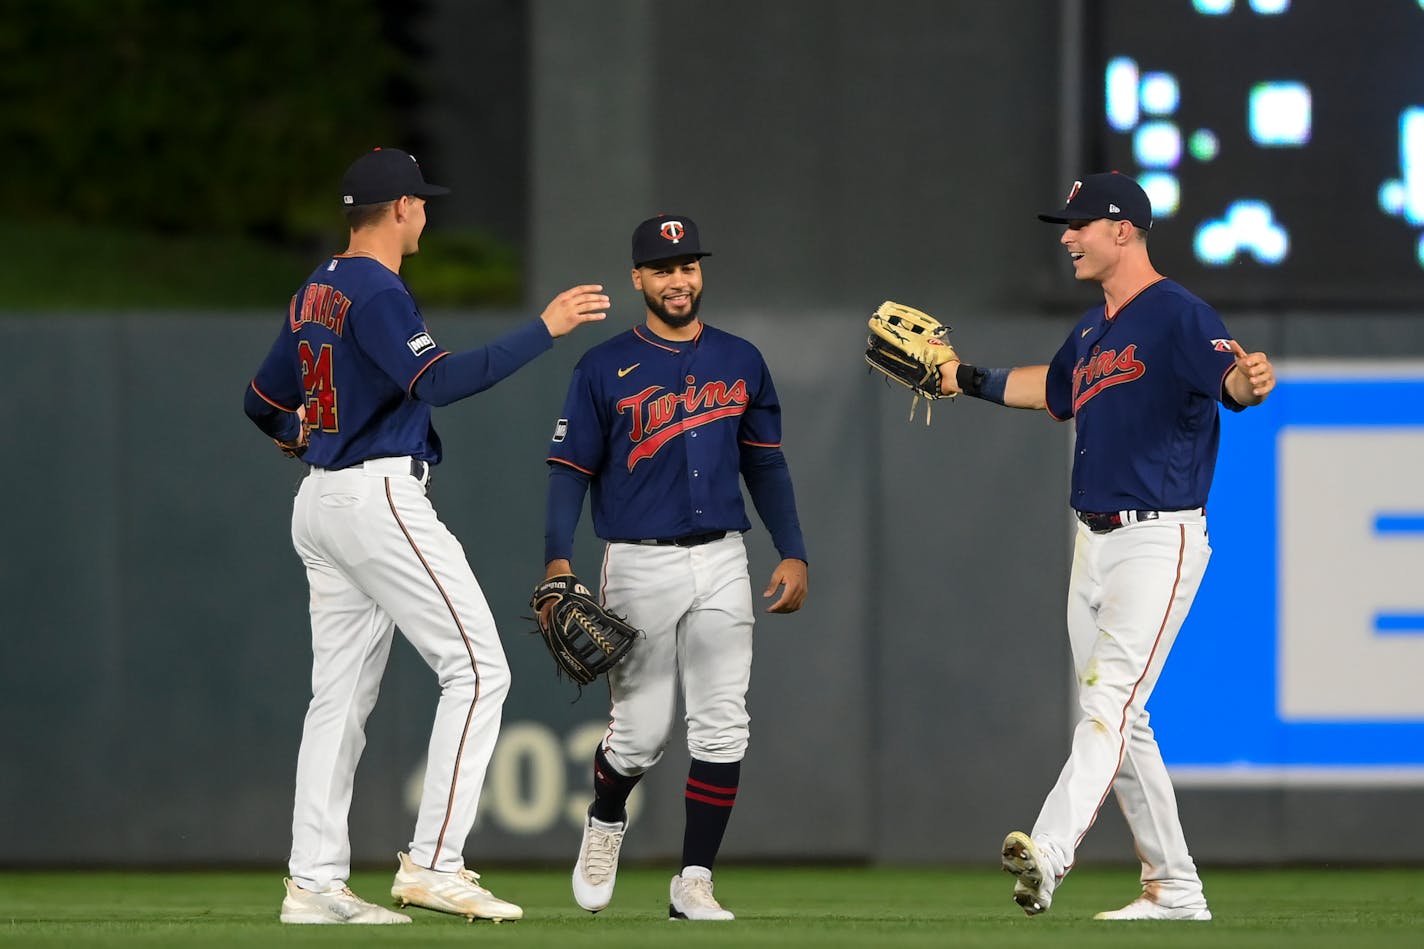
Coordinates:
<point>585,639</point>
<point>909,346</point>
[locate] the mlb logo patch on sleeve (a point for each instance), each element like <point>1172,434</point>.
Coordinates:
<point>561,428</point>
<point>420,342</point>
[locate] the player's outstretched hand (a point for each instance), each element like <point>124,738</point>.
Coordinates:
<point>576,305</point>
<point>790,575</point>
<point>1256,369</point>
<point>948,382</point>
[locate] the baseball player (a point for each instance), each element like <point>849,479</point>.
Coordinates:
<point>660,421</point>
<point>1140,376</point>
<point>348,385</point>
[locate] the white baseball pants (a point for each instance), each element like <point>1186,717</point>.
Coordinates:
<point>694,605</point>
<point>1130,591</point>
<point>377,556</point>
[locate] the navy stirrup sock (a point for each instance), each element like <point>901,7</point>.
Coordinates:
<point>711,792</point>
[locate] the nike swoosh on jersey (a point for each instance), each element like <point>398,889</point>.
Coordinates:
<point>1086,332</point>
<point>624,372</point>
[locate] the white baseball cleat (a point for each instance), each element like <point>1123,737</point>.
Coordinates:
<point>1143,908</point>
<point>690,897</point>
<point>457,892</point>
<point>597,867</point>
<point>1033,884</point>
<point>334,906</point>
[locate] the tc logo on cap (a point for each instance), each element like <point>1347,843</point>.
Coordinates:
<point>1073,192</point>
<point>672,231</point>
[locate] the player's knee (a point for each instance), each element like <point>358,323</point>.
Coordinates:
<point>1110,706</point>
<point>635,760</point>
<point>494,681</point>
<point>722,744</point>
<point>490,679</point>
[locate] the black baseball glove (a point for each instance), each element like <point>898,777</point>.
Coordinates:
<point>585,639</point>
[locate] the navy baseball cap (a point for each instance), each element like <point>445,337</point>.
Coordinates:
<point>384,174</point>
<point>1109,195</point>
<point>664,237</point>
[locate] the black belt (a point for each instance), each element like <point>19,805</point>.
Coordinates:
<point>1112,520</point>
<point>687,540</point>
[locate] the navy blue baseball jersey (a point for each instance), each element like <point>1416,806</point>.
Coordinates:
<point>659,426</point>
<point>351,350</point>
<point>1142,386</point>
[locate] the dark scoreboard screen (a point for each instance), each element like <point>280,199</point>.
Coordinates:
<point>1282,143</point>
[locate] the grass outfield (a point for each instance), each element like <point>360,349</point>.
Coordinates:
<point>781,907</point>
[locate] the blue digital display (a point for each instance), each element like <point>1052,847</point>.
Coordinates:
<point>1282,144</point>
<point>1302,660</point>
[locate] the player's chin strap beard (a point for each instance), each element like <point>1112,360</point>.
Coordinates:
<point>676,322</point>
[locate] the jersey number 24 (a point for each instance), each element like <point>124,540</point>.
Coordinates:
<point>321,390</point>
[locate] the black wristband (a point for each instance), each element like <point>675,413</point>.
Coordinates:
<point>970,379</point>
<point>986,384</point>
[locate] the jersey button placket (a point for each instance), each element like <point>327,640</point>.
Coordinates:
<point>694,486</point>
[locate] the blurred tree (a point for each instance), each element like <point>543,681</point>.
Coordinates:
<point>148,137</point>
<point>198,116</point>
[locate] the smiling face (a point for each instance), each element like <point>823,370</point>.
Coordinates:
<point>672,289</point>
<point>1097,247</point>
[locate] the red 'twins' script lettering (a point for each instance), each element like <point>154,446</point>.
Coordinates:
<point>655,417</point>
<point>1103,370</point>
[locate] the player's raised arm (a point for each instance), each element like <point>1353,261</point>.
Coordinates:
<point>460,375</point>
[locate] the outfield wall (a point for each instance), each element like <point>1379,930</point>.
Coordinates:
<point>155,660</point>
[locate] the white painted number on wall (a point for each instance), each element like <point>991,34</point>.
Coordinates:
<point>536,778</point>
